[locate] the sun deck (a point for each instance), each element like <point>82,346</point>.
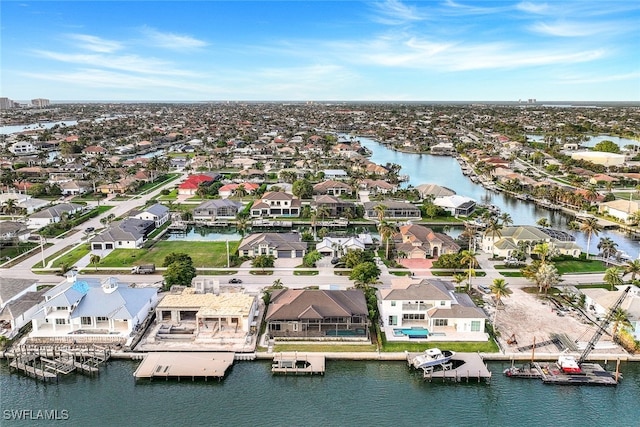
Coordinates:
<point>298,364</point>
<point>462,367</point>
<point>185,365</point>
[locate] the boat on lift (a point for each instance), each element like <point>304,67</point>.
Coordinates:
<point>432,357</point>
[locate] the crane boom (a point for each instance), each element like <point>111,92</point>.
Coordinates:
<point>602,327</point>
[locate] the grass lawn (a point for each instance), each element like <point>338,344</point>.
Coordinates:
<point>451,273</point>
<point>261,272</point>
<point>511,274</point>
<point>203,254</point>
<point>173,195</point>
<point>462,347</point>
<point>401,273</point>
<point>14,251</point>
<point>578,266</point>
<point>305,273</point>
<point>73,256</point>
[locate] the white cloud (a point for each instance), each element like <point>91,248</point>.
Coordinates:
<point>535,8</point>
<point>172,41</point>
<point>95,44</point>
<point>130,63</point>
<point>573,29</point>
<point>394,12</point>
<point>574,79</point>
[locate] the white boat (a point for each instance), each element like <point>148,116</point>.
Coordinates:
<point>431,357</point>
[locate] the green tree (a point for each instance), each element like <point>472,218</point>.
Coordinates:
<point>176,257</point>
<point>607,147</point>
<point>543,222</point>
<point>302,189</point>
<point>179,273</point>
<point>620,318</point>
<point>310,259</point>
<point>469,259</point>
<point>380,211</point>
<point>613,277</point>
<point>591,227</point>
<point>458,279</point>
<point>493,229</point>
<point>546,277</point>
<point>607,248</point>
<point>354,257</point>
<point>386,231</point>
<point>499,289</point>
<point>632,267</point>
<point>365,274</point>
<point>94,260</point>
<point>263,261</point>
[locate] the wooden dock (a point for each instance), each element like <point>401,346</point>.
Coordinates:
<point>463,367</point>
<point>298,364</point>
<point>185,365</point>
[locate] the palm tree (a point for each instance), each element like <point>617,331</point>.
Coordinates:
<point>499,289</point>
<point>386,231</point>
<point>94,259</point>
<point>607,247</point>
<point>506,219</point>
<point>620,318</point>
<point>544,250</point>
<point>458,279</point>
<point>493,229</point>
<point>469,258</point>
<point>380,210</point>
<point>613,277</point>
<point>240,191</point>
<point>546,276</point>
<point>591,227</point>
<point>633,268</point>
<point>543,222</point>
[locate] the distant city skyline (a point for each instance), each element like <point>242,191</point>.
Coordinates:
<point>321,50</point>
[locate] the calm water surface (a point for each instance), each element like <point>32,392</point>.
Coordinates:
<point>445,171</point>
<point>349,394</point>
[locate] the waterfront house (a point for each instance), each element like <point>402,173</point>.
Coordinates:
<point>433,305</point>
<point>21,148</point>
<point>52,214</point>
<point>209,314</point>
<point>211,210</point>
<point>332,188</point>
<point>157,213</point>
<point>433,190</point>
<point>276,204</point>
<point>127,234</point>
<point>377,186</point>
<point>507,241</point>
<point>393,210</point>
<point>335,174</point>
<point>278,245</point>
<point>92,308</point>
<point>12,232</point>
<point>74,187</point>
<point>456,204</point>
<point>19,300</point>
<point>228,190</point>
<point>190,186</point>
<point>338,246</point>
<point>417,241</point>
<point>622,210</point>
<point>318,314</point>
<point>334,206</point>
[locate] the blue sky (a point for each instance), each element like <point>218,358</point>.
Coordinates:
<point>321,50</point>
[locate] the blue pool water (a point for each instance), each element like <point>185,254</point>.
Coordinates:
<point>412,332</point>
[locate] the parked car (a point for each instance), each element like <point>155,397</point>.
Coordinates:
<point>235,280</point>
<point>484,289</point>
<point>89,230</point>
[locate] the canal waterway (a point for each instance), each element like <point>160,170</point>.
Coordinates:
<point>446,171</point>
<point>356,393</point>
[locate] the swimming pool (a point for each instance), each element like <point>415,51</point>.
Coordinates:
<point>414,332</point>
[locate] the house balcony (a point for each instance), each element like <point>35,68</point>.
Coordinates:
<point>416,307</point>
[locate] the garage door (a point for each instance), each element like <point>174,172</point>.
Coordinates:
<point>284,254</point>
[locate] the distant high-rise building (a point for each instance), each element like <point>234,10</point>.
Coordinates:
<point>6,104</point>
<point>40,102</point>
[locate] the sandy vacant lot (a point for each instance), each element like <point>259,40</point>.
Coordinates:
<point>529,316</point>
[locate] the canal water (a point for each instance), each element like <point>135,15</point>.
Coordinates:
<point>446,171</point>
<point>351,393</point>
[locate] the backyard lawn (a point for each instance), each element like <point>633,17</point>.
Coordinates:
<point>203,254</point>
<point>580,266</point>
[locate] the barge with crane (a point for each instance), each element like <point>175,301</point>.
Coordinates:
<point>568,370</point>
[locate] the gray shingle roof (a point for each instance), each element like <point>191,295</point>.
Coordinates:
<point>296,304</point>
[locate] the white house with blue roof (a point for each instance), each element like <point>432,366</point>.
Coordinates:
<point>93,307</point>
